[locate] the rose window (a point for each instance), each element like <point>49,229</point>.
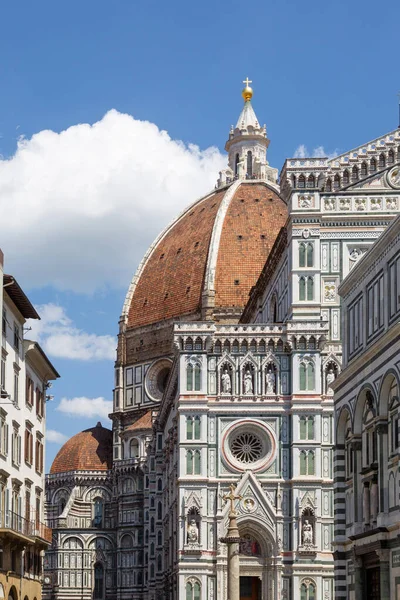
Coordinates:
<point>248,444</point>
<point>247,447</point>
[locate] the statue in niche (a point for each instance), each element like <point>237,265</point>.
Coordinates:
<point>330,378</point>
<point>192,532</point>
<point>226,382</point>
<point>248,382</point>
<point>307,533</point>
<point>271,380</point>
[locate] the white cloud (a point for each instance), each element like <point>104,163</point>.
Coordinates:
<point>318,152</point>
<point>59,337</point>
<point>85,407</point>
<point>55,436</point>
<point>87,202</point>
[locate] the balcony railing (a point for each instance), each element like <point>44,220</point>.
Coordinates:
<point>16,523</point>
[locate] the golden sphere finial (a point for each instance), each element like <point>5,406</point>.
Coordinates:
<point>247,92</point>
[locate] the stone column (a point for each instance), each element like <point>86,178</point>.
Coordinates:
<point>384,566</point>
<point>232,540</point>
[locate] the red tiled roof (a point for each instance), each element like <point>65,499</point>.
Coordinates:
<point>172,280</point>
<point>144,422</point>
<point>89,450</point>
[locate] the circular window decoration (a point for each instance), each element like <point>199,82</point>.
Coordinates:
<point>156,378</point>
<point>249,445</point>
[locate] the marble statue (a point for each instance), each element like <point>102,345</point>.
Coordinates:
<point>307,533</point>
<point>226,382</point>
<point>270,381</point>
<point>248,382</point>
<point>192,532</point>
<point>330,378</point>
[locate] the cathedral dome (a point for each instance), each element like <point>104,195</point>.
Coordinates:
<point>205,263</point>
<point>89,450</point>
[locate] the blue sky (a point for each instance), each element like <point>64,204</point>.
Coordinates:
<point>88,202</point>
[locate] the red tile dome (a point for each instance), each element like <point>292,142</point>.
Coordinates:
<point>216,249</point>
<point>89,450</point>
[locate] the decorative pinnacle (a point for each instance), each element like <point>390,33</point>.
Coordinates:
<point>247,92</point>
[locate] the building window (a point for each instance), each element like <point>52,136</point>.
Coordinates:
<point>375,306</point>
<point>29,391</point>
<point>28,445</point>
<point>307,591</point>
<point>307,376</point>
<point>3,434</point>
<point>98,512</point>
<point>16,388</point>
<point>16,336</point>
<point>134,448</point>
<point>306,288</point>
<point>39,402</point>
<point>236,164</point>
<point>307,462</point>
<point>3,373</point>
<point>193,378</point>
<point>306,254</point>
<point>39,454</point>
<point>4,323</point>
<point>193,590</point>
<point>249,164</point>
<point>307,428</point>
<point>193,458</point>
<point>16,447</point>
<point>193,428</point>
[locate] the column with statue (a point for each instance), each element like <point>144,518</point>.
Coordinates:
<point>232,540</point>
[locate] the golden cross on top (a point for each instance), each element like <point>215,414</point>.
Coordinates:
<point>247,81</point>
<point>231,497</point>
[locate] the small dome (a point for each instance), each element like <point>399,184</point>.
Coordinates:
<point>89,450</point>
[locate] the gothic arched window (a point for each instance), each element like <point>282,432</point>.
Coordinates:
<point>382,161</point>
<point>307,591</point>
<point>307,376</point>
<point>354,174</point>
<point>310,288</point>
<point>98,512</point>
<point>134,448</point>
<point>364,169</point>
<point>390,157</point>
<point>193,590</point>
<point>306,427</point>
<point>189,378</point>
<point>328,185</point>
<point>302,288</point>
<point>372,165</point>
<point>310,255</point>
<point>236,164</point>
<point>197,378</point>
<point>249,164</point>
<point>336,182</point>
<point>346,177</point>
<point>302,255</point>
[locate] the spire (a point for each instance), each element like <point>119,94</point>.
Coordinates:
<point>247,146</point>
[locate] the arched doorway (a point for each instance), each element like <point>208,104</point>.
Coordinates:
<point>98,592</point>
<point>12,594</point>
<point>257,569</point>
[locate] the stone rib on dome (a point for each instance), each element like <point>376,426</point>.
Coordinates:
<point>217,247</point>
<point>89,450</point>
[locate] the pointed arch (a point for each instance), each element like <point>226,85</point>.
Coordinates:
<point>354,174</point>
<point>364,169</point>
<point>372,165</point>
<point>336,182</point>
<point>346,177</point>
<point>328,185</point>
<point>382,161</point>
